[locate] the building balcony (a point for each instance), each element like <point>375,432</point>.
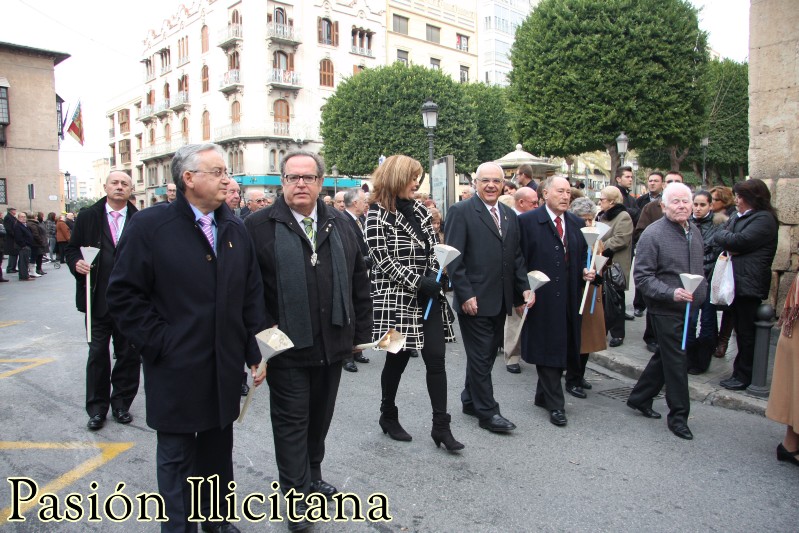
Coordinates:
<point>230,81</point>
<point>180,101</point>
<point>161,108</point>
<point>166,69</point>
<point>357,50</point>
<point>280,78</point>
<point>147,111</point>
<point>149,76</point>
<point>282,33</point>
<point>230,36</point>
<point>238,131</point>
<point>162,149</point>
<point>183,60</point>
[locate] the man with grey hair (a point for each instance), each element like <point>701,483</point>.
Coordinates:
<point>667,248</point>
<point>355,206</point>
<point>489,281</point>
<point>186,290</point>
<point>525,199</point>
<point>101,226</point>
<point>317,292</point>
<point>255,201</point>
<point>338,201</point>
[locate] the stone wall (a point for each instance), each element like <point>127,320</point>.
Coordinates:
<point>774,125</point>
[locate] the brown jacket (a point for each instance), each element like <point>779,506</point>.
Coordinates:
<point>62,233</point>
<point>594,335</point>
<point>651,212</point>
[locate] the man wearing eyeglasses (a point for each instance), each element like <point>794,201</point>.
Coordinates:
<point>317,292</point>
<point>256,200</point>
<point>488,281</point>
<point>185,289</point>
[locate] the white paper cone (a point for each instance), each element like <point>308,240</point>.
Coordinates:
<point>391,341</point>
<point>445,254</point>
<point>601,228</point>
<point>272,342</point>
<point>691,281</point>
<point>599,262</point>
<point>536,279</point>
<point>590,234</point>
<point>89,254</point>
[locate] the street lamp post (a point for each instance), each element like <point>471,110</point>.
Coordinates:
<point>705,142</point>
<point>430,119</point>
<point>621,147</point>
<point>334,171</point>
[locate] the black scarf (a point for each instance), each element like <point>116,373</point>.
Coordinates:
<point>614,211</point>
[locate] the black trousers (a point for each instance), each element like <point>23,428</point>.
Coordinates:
<point>302,401</point>
<point>433,355</point>
<point>482,337</point>
<point>744,309</point>
<point>107,387</point>
<point>575,369</point>
<point>183,455</point>
<point>11,265</point>
<point>548,390</point>
<point>669,366</point>
<point>649,331</point>
<point>24,262</point>
<point>616,328</point>
<point>638,301</point>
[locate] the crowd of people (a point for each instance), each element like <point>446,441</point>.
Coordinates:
<point>181,288</point>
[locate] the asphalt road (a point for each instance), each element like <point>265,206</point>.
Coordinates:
<point>610,469</point>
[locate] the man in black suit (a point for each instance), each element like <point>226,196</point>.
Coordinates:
<point>488,280</point>
<point>355,206</point>
<point>101,226</point>
<point>551,242</point>
<point>185,288</point>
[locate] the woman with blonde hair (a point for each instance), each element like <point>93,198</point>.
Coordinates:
<point>401,238</point>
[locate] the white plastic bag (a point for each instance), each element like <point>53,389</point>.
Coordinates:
<point>722,288</point>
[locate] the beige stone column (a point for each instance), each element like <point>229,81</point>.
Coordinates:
<point>774,125</point>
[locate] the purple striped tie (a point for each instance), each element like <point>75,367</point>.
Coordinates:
<point>205,223</point>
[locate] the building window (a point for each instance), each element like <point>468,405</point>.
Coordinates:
<point>462,43</point>
<point>280,61</point>
<point>167,132</point>
<point>206,126</point>
<point>402,56</point>
<point>166,91</point>
<point>280,16</point>
<point>464,74</point>
<point>235,18</point>
<point>433,34</point>
<point>326,73</point>
<point>204,76</point>
<point>435,64</point>
<point>400,24</point>
<point>204,39</point>
<point>151,136</point>
<point>235,112</point>
<point>273,160</point>
<point>184,127</point>
<point>282,119</point>
<point>124,120</point>
<point>233,62</point>
<point>3,191</point>
<point>124,151</point>
<point>151,97</point>
<point>183,85</point>
<point>327,30</point>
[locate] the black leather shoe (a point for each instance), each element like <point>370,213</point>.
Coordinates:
<point>628,316</point>
<point>219,527</point>
<point>514,368</point>
<point>413,353</point>
<point>638,313</point>
<point>245,389</point>
<point>584,384</point>
<point>360,358</point>
<point>122,416</point>
<point>557,417</point>
<point>497,424</point>
<point>576,391</point>
<point>732,383</point>
<point>652,346</point>
<point>323,487</point>
<point>4,280</point>
<point>646,411</point>
<point>784,455</point>
<point>96,422</point>
<point>682,431</point>
<point>615,341</point>
<point>695,371</point>
<point>468,409</point>
<point>302,524</point>
<point>349,366</point>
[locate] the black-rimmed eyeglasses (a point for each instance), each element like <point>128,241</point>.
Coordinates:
<point>307,178</point>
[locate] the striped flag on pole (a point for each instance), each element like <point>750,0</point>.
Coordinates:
<point>76,126</point>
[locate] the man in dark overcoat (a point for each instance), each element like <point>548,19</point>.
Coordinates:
<point>101,226</point>
<point>186,291</point>
<point>488,280</point>
<point>551,242</point>
<point>317,292</point>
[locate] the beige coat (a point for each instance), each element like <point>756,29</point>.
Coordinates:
<point>620,237</point>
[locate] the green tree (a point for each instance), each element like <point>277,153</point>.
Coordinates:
<point>584,70</point>
<point>489,103</point>
<point>378,111</point>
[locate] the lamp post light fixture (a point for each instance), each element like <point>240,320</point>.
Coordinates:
<point>705,142</point>
<point>621,146</point>
<point>334,172</point>
<point>430,119</point>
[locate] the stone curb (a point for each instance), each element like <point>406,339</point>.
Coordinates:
<point>701,392</point>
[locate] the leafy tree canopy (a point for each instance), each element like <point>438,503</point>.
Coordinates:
<point>490,106</point>
<point>584,70</point>
<point>728,115</point>
<point>378,111</point>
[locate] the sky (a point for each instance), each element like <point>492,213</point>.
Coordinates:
<point>105,41</point>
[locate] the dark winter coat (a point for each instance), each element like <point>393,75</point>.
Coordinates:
<point>23,236</point>
<point>91,229</point>
<point>553,326</point>
<point>709,226</point>
<point>9,222</point>
<point>331,343</point>
<point>751,240</point>
<point>191,314</point>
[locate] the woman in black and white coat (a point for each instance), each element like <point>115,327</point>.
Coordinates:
<point>400,237</point>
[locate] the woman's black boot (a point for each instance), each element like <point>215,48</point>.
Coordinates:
<point>441,433</point>
<point>389,423</point>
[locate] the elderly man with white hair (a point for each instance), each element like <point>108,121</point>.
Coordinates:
<point>667,248</point>
<point>489,281</point>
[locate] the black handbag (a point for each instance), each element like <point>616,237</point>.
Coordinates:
<point>616,277</point>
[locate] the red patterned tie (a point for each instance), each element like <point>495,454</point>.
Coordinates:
<point>496,219</point>
<point>559,227</point>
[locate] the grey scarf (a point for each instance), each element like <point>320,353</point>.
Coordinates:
<point>292,289</point>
